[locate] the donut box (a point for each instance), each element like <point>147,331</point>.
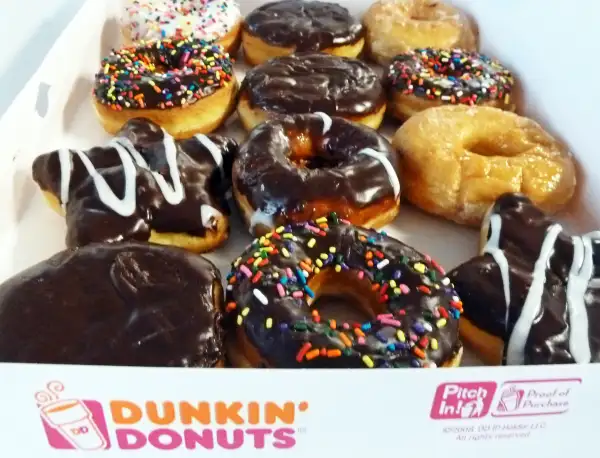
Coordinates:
<point>55,410</point>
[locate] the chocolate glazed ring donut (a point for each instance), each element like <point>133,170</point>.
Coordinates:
<point>305,166</point>
<point>531,297</point>
<point>126,304</point>
<point>309,83</point>
<point>144,185</point>
<point>274,290</point>
<point>426,78</point>
<point>282,28</point>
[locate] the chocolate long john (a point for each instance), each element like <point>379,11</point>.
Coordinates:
<point>534,286</point>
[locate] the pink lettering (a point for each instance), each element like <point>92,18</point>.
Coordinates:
<point>236,442</point>
<point>165,439</point>
<point>130,439</point>
<point>259,436</point>
<point>284,438</point>
<point>205,439</point>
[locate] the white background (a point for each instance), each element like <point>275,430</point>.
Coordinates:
<point>32,26</point>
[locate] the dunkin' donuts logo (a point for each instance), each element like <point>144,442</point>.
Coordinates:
<point>75,424</point>
<point>515,398</point>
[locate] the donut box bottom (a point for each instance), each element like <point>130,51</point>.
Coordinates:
<point>53,410</point>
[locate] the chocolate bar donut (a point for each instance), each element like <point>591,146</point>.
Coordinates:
<point>531,297</point>
<point>128,304</point>
<point>144,185</point>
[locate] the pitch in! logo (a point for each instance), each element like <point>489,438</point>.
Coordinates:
<point>516,398</point>
<point>89,425</point>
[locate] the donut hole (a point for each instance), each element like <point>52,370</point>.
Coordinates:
<point>304,154</point>
<point>343,297</point>
<point>489,147</point>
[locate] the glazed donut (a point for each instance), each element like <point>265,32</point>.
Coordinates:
<point>456,160</point>
<point>531,296</point>
<point>398,26</point>
<point>173,192</point>
<point>278,287</point>
<point>217,21</point>
<point>309,83</point>
<point>426,78</point>
<point>304,166</point>
<point>281,28</point>
<point>187,87</point>
<point>128,304</point>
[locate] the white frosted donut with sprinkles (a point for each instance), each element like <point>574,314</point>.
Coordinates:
<point>210,20</point>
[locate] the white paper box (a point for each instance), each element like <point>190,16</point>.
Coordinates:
<point>473,411</point>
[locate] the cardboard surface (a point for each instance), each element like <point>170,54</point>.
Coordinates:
<point>352,411</point>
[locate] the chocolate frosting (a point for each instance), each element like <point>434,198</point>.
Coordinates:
<point>128,304</point>
<point>455,76</point>
<point>307,26</point>
<point>414,320</point>
<point>311,82</point>
<point>338,171</point>
<point>551,289</point>
<point>198,167</point>
<point>162,74</point>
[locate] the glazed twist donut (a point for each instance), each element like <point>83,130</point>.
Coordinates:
<point>274,290</point>
<point>531,297</point>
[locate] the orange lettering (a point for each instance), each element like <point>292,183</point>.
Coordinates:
<point>253,413</point>
<point>125,412</point>
<point>225,413</point>
<point>154,416</point>
<point>274,412</point>
<point>190,413</point>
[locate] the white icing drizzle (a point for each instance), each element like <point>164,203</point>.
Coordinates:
<point>580,275</point>
<point>212,148</point>
<point>125,206</point>
<point>208,213</point>
<point>64,156</point>
<point>515,354</point>
<point>327,121</point>
<point>129,158</point>
<point>492,247</point>
<point>387,165</point>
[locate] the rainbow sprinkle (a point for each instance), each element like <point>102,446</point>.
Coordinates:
<point>201,19</point>
<point>454,77</point>
<point>416,329</point>
<point>162,74</point>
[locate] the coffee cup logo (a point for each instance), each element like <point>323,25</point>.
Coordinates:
<point>71,419</point>
<point>510,399</point>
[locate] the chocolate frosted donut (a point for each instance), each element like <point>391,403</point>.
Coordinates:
<point>127,304</point>
<point>308,83</point>
<point>274,297</point>
<point>305,166</point>
<point>143,185</point>
<point>426,78</point>
<point>305,26</point>
<point>531,297</point>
